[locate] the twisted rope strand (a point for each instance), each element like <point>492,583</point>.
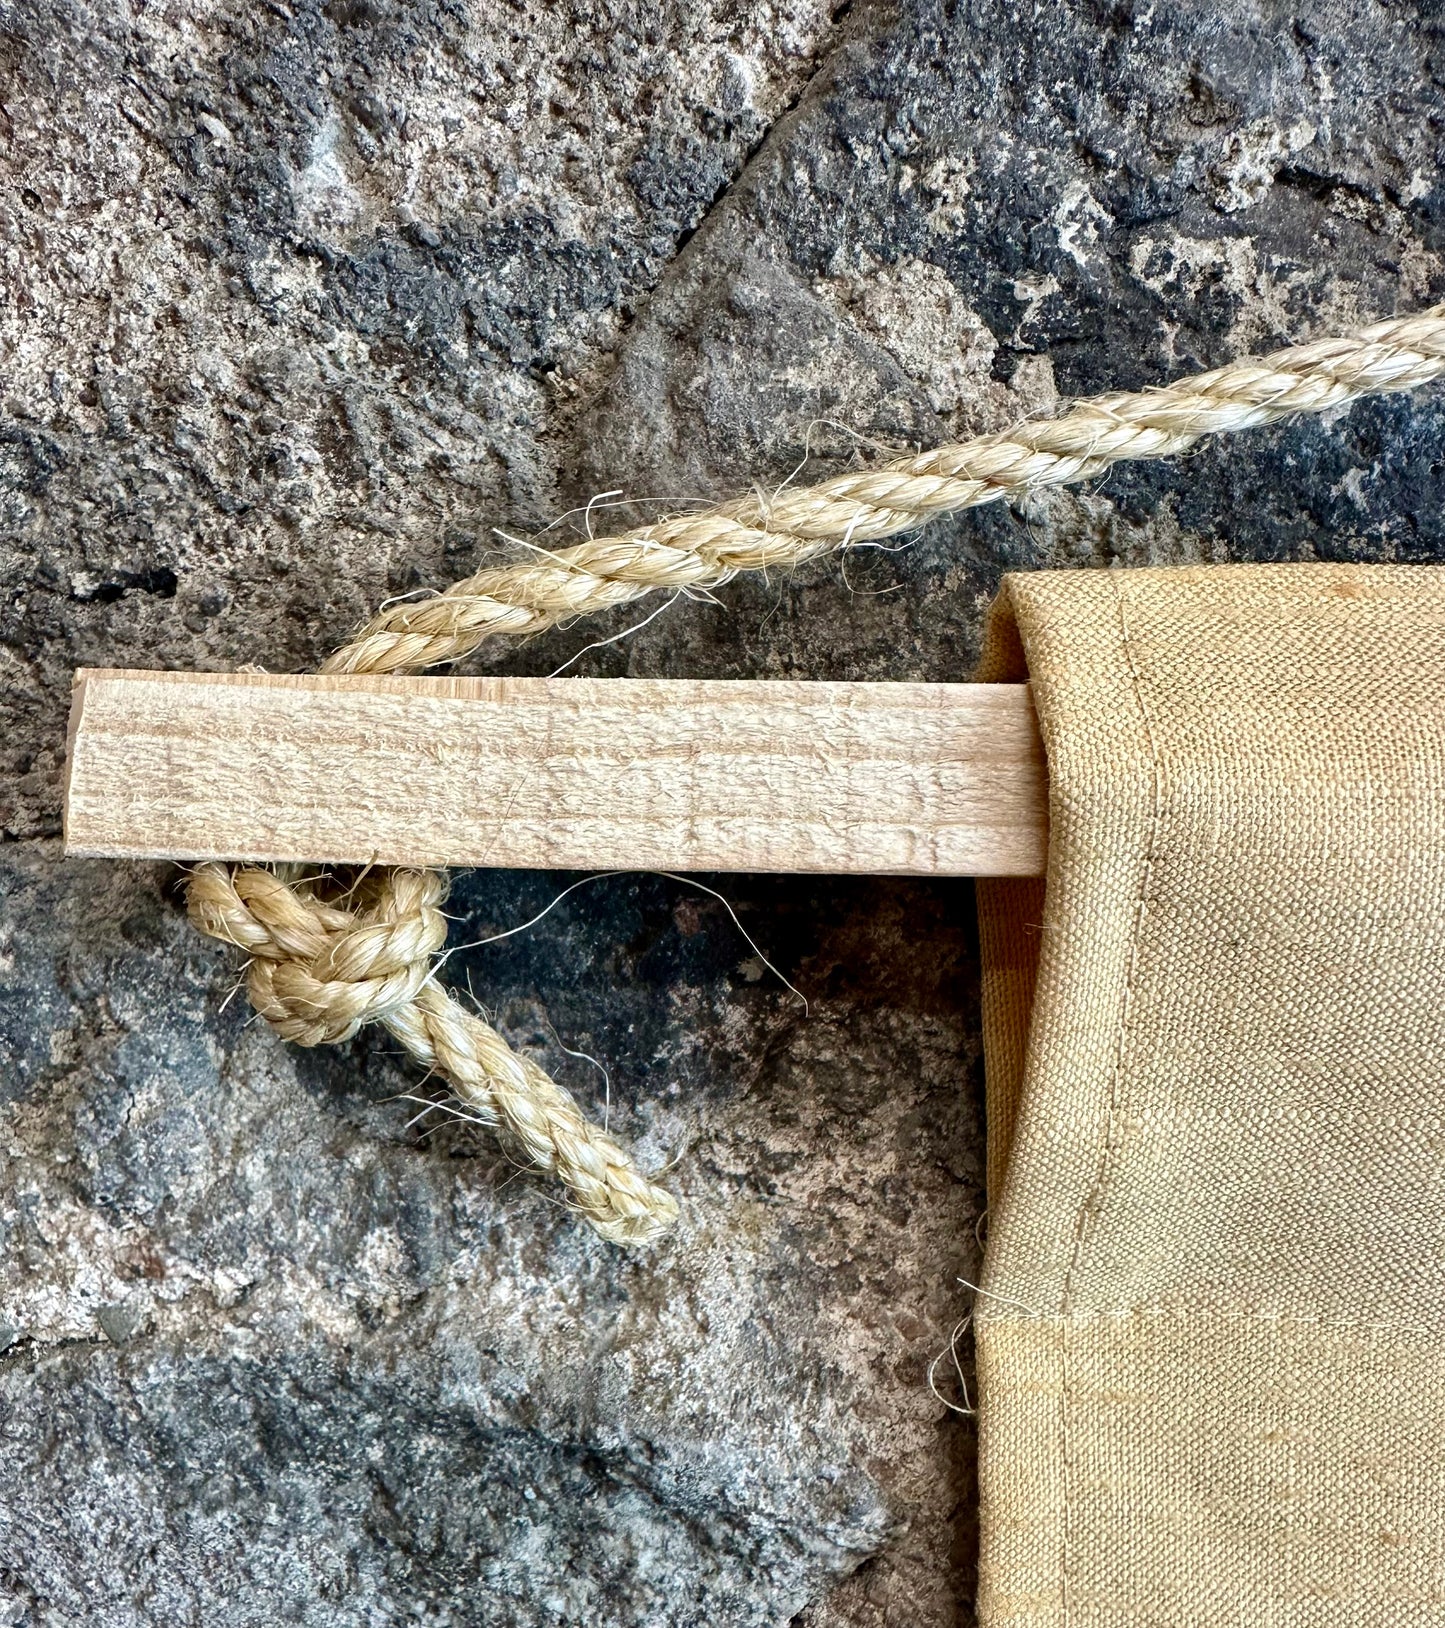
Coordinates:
<point>758,533</point>
<point>329,955</point>
<point>325,959</point>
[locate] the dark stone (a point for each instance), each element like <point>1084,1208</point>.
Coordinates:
<point>121,1321</point>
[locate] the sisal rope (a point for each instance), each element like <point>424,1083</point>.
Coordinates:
<point>328,956</point>
<point>760,533</point>
<point>324,961</point>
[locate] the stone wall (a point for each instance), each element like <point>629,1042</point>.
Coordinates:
<point>308,305</point>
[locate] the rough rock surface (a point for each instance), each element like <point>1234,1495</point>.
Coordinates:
<point>304,305</point>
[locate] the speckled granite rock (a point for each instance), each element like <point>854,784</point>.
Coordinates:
<point>274,1360</point>
<point>305,305</point>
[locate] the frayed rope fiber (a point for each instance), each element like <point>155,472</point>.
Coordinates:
<point>330,952</point>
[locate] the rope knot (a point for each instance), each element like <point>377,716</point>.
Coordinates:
<point>328,954</point>
<point>333,950</point>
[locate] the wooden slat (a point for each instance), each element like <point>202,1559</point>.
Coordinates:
<point>573,773</point>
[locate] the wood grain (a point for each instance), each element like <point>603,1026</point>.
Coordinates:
<point>573,773</point>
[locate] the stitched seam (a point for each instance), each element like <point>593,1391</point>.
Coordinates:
<point>1089,1208</point>
<point>1207,1314</point>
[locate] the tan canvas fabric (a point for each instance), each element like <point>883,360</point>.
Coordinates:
<point>1211,1345</point>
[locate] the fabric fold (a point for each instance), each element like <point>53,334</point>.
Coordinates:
<point>1210,1353</point>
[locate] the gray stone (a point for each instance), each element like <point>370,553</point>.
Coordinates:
<point>121,1320</point>
<point>381,1366</point>
<point>305,305</point>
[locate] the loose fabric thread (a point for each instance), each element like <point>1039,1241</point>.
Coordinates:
<point>330,952</point>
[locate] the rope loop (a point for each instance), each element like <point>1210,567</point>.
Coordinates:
<point>331,951</point>
<point>327,955</point>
